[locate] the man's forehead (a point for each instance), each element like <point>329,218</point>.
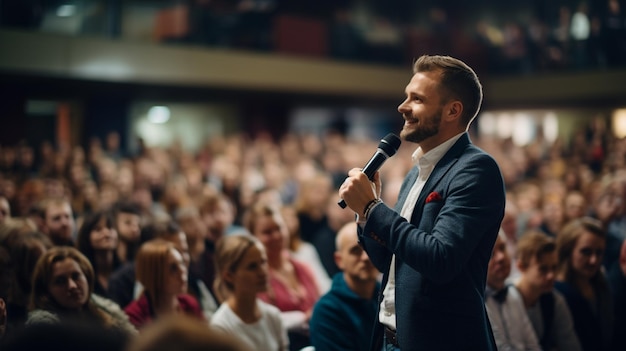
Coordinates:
<point>57,208</point>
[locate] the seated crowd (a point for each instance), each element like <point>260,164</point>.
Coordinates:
<point>242,246</point>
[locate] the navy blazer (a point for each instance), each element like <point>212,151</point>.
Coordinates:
<point>442,254</point>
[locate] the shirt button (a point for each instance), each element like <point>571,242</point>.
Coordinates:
<point>387,314</point>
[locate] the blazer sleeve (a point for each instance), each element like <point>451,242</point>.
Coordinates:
<point>440,243</point>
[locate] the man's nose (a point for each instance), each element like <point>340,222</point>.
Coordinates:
<point>402,107</point>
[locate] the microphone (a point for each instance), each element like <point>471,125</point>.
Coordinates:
<point>387,147</point>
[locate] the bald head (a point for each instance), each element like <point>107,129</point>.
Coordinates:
<point>359,272</point>
<point>346,236</point>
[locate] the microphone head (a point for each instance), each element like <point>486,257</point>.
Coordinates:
<point>390,144</point>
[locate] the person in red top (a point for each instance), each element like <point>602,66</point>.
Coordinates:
<point>162,272</point>
<point>292,285</point>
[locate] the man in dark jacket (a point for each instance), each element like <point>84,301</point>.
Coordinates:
<point>344,317</point>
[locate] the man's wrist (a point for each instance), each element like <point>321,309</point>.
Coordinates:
<point>370,206</point>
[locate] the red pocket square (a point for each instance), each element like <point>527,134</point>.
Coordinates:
<point>434,196</point>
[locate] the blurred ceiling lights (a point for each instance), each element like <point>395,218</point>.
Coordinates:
<point>67,10</point>
<point>159,114</point>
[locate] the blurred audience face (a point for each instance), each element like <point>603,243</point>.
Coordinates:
<point>68,285</point>
<point>103,237</point>
<point>59,222</point>
<point>176,274</point>
<point>351,258</point>
<point>272,232</point>
<point>587,255</point>
<point>179,241</point>
<point>195,231</point>
<point>218,219</point>
<point>499,265</point>
<point>541,272</point>
<point>128,226</point>
<point>575,206</point>
<point>509,221</point>
<point>251,274</point>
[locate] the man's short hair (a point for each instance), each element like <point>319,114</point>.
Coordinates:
<point>534,244</point>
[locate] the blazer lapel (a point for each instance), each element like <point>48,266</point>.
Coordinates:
<point>408,184</point>
<point>442,167</point>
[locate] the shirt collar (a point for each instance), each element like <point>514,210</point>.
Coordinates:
<point>433,156</point>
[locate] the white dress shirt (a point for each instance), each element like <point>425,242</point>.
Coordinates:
<point>426,162</point>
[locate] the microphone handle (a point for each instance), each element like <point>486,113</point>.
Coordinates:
<point>370,169</point>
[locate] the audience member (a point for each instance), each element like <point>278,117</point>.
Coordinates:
<point>58,221</point>
<point>190,222</point>
<point>172,232</point>
<point>98,241</point>
<point>217,215</point>
<point>303,250</point>
<point>292,286</point>
<point>127,223</point>
<point>162,273</point>
<point>123,287</point>
<point>10,230</point>
<point>580,247</point>
<point>241,274</point>
<point>546,307</point>
<point>25,250</point>
<point>611,210</point>
<point>552,214</point>
<point>512,329</point>
<point>311,204</point>
<point>62,292</point>
<point>344,317</point>
<point>574,205</point>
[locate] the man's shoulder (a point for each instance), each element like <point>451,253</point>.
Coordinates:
<point>332,299</point>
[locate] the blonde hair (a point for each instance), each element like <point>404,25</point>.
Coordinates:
<point>151,265</point>
<point>534,244</point>
<point>228,255</point>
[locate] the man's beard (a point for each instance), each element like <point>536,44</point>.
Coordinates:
<point>426,128</point>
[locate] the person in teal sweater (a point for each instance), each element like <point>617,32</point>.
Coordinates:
<point>343,318</point>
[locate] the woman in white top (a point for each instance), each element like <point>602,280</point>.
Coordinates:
<point>241,273</point>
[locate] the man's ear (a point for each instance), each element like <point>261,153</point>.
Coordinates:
<point>454,110</point>
<point>338,261</point>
